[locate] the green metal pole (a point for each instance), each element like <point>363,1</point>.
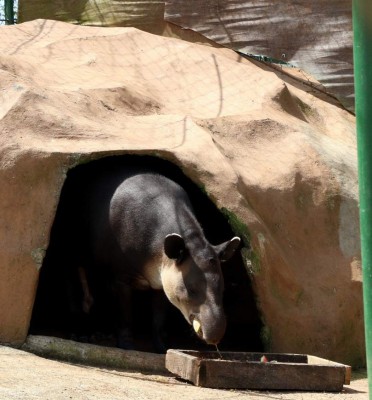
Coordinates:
<point>362,26</point>
<point>9,12</point>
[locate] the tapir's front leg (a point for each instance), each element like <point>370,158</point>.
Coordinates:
<point>87,301</point>
<point>160,306</point>
<point>123,300</point>
<point>80,301</point>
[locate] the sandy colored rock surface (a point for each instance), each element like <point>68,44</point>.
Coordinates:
<point>276,155</point>
<point>26,376</point>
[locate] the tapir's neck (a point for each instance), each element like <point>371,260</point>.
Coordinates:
<point>191,230</point>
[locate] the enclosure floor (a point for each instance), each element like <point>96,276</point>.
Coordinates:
<point>26,376</point>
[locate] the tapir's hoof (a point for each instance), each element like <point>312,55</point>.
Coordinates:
<point>160,347</point>
<point>80,338</point>
<point>125,340</point>
<point>125,345</point>
<point>160,342</point>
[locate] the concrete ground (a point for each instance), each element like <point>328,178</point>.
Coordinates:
<point>25,376</point>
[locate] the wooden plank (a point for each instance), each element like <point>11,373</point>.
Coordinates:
<point>247,357</point>
<point>270,376</point>
<point>183,365</point>
<point>323,361</point>
<point>246,371</point>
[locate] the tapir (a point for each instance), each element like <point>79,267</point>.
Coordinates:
<point>139,230</point>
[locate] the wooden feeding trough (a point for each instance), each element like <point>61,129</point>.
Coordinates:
<point>266,371</point>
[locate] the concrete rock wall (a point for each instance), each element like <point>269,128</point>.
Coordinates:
<point>277,157</point>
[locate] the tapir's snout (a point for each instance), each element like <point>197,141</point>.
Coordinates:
<point>210,325</point>
<point>193,282</point>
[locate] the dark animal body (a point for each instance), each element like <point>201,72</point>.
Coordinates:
<point>133,228</point>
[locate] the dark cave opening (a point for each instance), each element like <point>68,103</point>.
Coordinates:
<point>57,304</point>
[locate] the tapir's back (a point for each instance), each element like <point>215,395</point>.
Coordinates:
<point>145,208</point>
<point>128,215</point>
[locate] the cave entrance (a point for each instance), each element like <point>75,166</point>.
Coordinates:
<point>54,315</point>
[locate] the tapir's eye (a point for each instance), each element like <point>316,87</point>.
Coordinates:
<point>181,257</point>
<point>212,262</point>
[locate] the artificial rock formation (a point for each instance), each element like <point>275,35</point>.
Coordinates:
<point>276,155</point>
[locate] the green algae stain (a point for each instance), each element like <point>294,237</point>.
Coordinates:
<point>250,257</point>
<point>239,227</point>
<point>266,338</point>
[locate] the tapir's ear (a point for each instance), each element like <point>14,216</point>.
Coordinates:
<point>226,250</point>
<point>174,246</point>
